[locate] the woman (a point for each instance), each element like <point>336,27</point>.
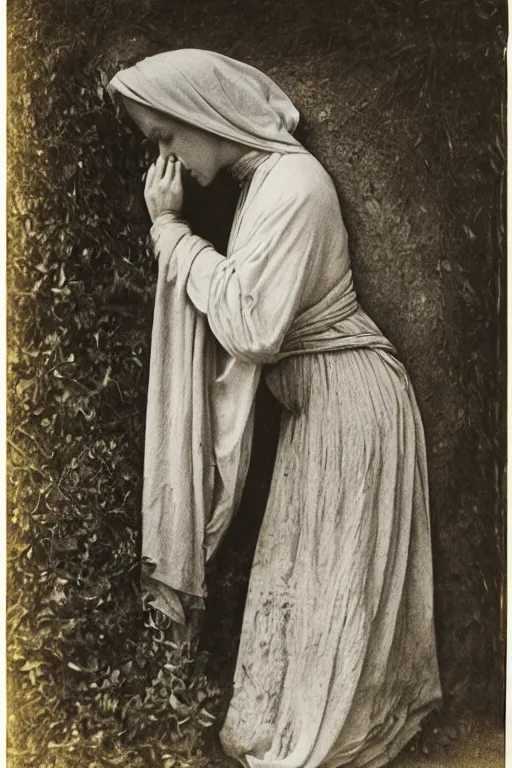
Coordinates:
<point>337,661</point>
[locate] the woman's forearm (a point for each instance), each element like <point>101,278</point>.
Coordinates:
<point>200,277</point>
<point>173,239</point>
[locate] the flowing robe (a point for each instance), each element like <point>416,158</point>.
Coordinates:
<point>337,662</point>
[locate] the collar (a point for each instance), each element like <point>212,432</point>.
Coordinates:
<point>246,165</point>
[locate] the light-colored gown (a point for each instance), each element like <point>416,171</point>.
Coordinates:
<point>337,662</point>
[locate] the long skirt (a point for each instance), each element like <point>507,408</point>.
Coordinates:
<point>337,664</point>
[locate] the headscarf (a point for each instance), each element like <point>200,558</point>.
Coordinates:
<point>216,93</point>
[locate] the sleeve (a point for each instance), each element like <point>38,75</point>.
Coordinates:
<point>256,293</point>
<point>174,243</point>
<point>252,297</point>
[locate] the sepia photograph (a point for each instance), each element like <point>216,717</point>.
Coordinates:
<point>256,383</point>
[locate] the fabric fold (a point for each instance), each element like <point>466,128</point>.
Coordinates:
<point>337,661</point>
<point>200,399</point>
<point>203,88</point>
<point>198,436</point>
<point>202,388</point>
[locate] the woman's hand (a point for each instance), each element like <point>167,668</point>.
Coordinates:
<point>164,187</point>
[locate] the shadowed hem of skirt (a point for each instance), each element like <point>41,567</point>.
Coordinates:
<point>389,751</point>
<point>410,728</point>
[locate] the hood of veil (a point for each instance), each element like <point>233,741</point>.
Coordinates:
<point>216,93</point>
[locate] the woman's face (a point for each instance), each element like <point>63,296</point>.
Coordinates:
<point>202,154</point>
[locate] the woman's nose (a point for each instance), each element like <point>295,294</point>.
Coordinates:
<point>164,150</point>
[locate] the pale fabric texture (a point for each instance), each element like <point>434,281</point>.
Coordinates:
<point>199,413</point>
<point>198,432</point>
<point>337,662</point>
<point>216,93</point>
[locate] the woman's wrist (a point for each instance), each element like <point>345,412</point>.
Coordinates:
<point>167,229</point>
<point>167,216</point>
<point>163,220</point>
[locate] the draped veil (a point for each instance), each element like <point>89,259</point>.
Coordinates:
<point>200,401</point>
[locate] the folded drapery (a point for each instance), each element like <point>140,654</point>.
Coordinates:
<point>216,93</point>
<point>200,399</point>
<point>337,661</point>
<point>198,434</point>
<point>200,410</point>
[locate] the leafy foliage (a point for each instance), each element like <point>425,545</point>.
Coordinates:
<point>93,681</point>
<point>88,674</point>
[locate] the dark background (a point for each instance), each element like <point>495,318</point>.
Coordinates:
<point>403,102</point>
